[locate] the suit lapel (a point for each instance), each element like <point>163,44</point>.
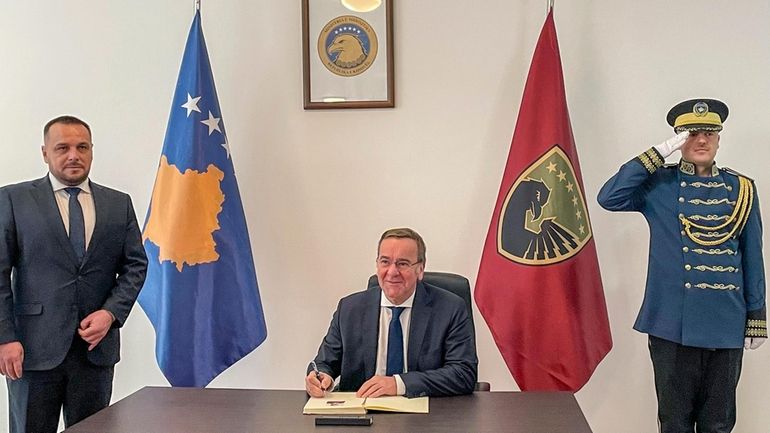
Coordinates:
<point>46,202</point>
<point>370,331</point>
<point>422,308</point>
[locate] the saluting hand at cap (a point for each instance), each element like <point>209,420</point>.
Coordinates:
<point>672,144</point>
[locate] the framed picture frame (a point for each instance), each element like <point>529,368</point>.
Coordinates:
<point>347,54</point>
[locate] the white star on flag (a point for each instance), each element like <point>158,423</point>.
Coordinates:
<point>226,145</point>
<point>213,123</point>
<point>191,104</point>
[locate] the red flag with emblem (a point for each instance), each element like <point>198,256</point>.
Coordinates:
<point>539,287</point>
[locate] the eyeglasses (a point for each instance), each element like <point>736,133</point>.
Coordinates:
<point>401,265</point>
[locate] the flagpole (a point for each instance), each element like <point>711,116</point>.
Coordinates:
<point>550,6</point>
<point>197,5</point>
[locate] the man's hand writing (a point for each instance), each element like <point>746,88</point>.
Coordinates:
<point>315,387</point>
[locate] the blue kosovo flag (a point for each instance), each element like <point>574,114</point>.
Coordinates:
<point>201,291</point>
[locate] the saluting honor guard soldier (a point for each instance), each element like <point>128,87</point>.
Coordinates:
<point>705,296</point>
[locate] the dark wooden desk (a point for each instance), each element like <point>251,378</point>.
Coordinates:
<point>193,410</point>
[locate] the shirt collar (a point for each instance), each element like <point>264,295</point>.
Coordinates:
<point>687,167</point>
<point>385,302</point>
<point>85,186</point>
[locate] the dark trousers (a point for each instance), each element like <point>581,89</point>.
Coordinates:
<point>695,387</point>
<point>78,386</point>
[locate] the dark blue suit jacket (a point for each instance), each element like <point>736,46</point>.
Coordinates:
<point>44,292</point>
<point>441,358</point>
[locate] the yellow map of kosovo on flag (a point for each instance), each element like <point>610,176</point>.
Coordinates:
<point>183,214</point>
<point>201,292</point>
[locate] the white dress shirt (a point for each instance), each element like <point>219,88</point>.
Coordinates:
<point>86,200</point>
<point>382,343</point>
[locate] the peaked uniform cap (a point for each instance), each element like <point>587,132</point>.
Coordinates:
<point>698,115</point>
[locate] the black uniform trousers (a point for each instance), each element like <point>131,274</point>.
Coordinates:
<point>695,387</point>
<point>76,385</point>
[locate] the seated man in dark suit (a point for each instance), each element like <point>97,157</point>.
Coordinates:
<point>365,344</point>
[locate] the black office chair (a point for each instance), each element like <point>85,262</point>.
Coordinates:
<point>454,283</point>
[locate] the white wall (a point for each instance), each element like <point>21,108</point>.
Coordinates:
<point>320,186</point>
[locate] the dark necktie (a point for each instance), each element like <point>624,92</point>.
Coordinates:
<point>395,343</point>
<point>77,225</point>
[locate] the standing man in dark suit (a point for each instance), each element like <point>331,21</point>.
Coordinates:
<point>71,265</point>
<point>365,344</point>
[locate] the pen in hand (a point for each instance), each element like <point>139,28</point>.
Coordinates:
<point>318,376</point>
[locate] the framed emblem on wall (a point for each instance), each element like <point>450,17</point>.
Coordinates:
<point>347,53</point>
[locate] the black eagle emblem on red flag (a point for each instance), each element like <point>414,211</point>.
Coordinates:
<point>543,219</point>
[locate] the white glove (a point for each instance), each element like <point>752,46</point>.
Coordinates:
<point>753,343</point>
<point>672,144</point>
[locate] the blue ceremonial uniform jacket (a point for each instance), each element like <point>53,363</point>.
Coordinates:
<point>696,295</point>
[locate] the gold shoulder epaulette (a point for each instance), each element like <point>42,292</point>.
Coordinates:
<point>735,173</point>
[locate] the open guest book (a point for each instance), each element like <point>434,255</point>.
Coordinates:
<point>346,403</point>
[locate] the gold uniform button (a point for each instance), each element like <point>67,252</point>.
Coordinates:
<point>687,267</point>
<point>687,285</point>
<point>685,249</point>
<point>681,199</point>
